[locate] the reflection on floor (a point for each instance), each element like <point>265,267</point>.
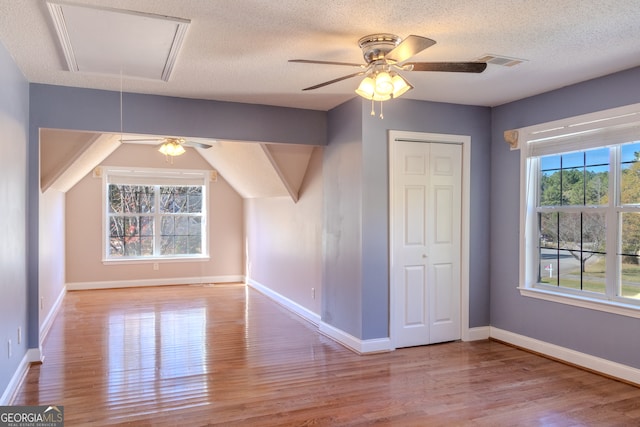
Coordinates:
<point>197,355</point>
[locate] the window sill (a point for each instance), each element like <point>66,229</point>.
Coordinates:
<point>159,260</point>
<point>614,307</point>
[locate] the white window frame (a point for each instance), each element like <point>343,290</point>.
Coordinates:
<point>152,177</point>
<point>614,126</point>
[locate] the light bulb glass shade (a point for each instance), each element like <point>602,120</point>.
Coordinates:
<point>400,86</point>
<point>366,88</point>
<point>178,149</point>
<point>171,148</point>
<point>379,97</point>
<point>384,86</point>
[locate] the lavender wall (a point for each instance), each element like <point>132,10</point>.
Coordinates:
<point>356,208</point>
<point>342,236</point>
<point>605,335</point>
<point>14,116</point>
<point>62,107</point>
<point>419,116</point>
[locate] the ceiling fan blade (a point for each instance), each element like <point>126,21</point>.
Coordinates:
<point>339,79</point>
<point>142,140</point>
<point>410,46</point>
<point>311,61</point>
<point>452,67</point>
<point>196,144</point>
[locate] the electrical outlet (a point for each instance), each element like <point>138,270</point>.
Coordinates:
<point>9,348</point>
<point>156,266</point>
<point>313,293</point>
<point>19,335</point>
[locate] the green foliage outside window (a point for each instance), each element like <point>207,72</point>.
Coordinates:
<point>573,201</point>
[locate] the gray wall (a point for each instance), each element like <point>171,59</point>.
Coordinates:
<point>14,117</point>
<point>356,197</point>
<point>605,335</point>
<point>342,236</point>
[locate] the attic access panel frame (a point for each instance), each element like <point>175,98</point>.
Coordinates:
<point>117,41</point>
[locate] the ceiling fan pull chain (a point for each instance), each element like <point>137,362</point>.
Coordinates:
<point>373,110</point>
<point>381,113</point>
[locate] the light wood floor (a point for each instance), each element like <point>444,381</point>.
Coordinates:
<point>197,355</point>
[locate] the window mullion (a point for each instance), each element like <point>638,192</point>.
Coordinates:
<point>614,227</point>
<point>157,221</point>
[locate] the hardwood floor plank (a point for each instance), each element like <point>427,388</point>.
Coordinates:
<point>227,355</point>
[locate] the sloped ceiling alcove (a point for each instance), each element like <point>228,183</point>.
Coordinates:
<point>254,170</point>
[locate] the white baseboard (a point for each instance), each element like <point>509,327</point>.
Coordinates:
<point>76,286</point>
<point>45,327</point>
<point>593,363</point>
<point>349,341</point>
<point>34,355</point>
<point>376,345</point>
<point>293,306</point>
<point>31,356</point>
<point>475,334</point>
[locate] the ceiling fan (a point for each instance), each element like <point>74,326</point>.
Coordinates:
<point>385,56</point>
<point>169,146</point>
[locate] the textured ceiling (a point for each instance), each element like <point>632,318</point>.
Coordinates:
<point>238,50</point>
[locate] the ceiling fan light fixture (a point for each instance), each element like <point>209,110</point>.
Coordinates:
<point>380,97</point>
<point>367,88</point>
<point>384,86</point>
<point>172,148</point>
<point>400,86</point>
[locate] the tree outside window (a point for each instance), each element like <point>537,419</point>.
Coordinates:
<point>574,205</point>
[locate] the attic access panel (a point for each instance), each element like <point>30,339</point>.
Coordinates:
<point>114,41</point>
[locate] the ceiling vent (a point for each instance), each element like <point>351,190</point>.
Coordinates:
<point>503,61</point>
<point>118,42</point>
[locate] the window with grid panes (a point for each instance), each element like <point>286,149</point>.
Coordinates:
<point>582,212</point>
<point>150,221</point>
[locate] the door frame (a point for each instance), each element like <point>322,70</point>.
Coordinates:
<point>426,137</point>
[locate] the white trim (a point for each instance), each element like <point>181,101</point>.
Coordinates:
<point>291,305</point>
<point>156,177</point>
<point>156,260</point>
<point>598,129</point>
<point>477,334</point>
<point>31,356</point>
<point>587,361</point>
<point>34,355</point>
<point>357,345</point>
<point>45,327</point>
<point>465,141</point>
<point>582,301</point>
<point>76,286</point>
<point>577,125</point>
